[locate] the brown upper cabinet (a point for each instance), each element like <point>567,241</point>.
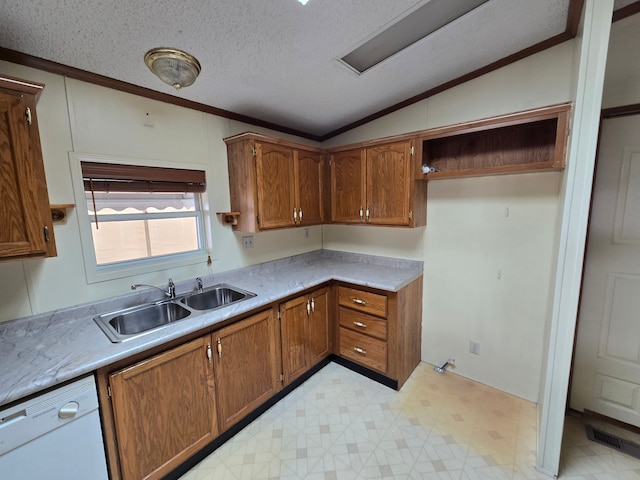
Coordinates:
<point>348,181</point>
<point>374,184</point>
<point>274,183</point>
<point>25,215</point>
<point>534,140</point>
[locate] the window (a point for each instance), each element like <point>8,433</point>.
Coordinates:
<point>139,213</point>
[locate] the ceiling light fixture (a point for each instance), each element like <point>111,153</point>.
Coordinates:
<point>303,2</point>
<point>174,67</point>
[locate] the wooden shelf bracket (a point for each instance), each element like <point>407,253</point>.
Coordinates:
<point>230,218</point>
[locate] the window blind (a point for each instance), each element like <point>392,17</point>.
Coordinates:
<point>111,177</point>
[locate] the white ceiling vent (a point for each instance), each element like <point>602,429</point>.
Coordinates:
<point>423,21</point>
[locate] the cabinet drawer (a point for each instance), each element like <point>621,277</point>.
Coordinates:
<point>364,301</point>
<point>364,350</point>
<point>363,323</point>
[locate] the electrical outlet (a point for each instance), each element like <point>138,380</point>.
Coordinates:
<point>474,347</point>
<point>306,233</point>
<point>247,242</point>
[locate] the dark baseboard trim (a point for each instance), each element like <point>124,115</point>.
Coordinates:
<point>589,414</point>
<point>375,376</point>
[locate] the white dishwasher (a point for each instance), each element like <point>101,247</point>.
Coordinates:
<point>54,436</point>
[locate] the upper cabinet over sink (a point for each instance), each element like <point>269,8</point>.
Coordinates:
<point>25,215</point>
<point>274,183</point>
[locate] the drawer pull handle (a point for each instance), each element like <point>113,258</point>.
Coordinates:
<point>359,301</point>
<point>360,324</point>
<point>359,350</point>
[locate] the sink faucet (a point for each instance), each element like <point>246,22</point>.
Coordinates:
<point>200,287</point>
<point>170,292</point>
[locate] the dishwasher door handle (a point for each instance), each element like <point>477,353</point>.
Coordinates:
<point>69,410</point>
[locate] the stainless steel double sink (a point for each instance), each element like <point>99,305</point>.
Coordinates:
<point>132,322</point>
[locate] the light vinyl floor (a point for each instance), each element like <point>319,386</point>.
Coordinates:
<point>341,425</point>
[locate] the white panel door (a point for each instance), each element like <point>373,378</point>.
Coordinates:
<point>606,372</point>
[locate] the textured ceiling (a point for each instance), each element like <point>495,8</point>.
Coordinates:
<point>275,60</point>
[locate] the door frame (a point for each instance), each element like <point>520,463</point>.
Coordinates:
<point>591,55</point>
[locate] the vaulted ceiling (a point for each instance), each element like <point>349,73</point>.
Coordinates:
<point>275,62</point>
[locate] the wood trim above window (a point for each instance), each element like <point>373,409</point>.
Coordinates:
<point>106,177</point>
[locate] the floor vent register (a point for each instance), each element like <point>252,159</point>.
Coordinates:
<point>617,443</point>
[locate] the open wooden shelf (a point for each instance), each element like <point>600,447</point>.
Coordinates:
<point>534,140</point>
<point>230,218</point>
<point>59,211</point>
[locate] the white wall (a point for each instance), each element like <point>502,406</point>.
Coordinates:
<point>469,239</point>
<point>85,118</point>
<point>622,77</point>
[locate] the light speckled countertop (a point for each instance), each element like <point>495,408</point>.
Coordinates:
<point>43,350</point>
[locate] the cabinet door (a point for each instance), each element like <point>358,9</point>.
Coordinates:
<point>275,184</point>
<point>294,316</point>
<point>164,410</point>
<point>318,326</point>
<point>245,367</point>
<point>304,327</point>
<point>309,181</point>
<point>348,180</point>
<point>389,183</point>
<point>22,206</point>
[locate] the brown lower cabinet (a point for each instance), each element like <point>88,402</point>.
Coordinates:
<point>166,408</point>
<point>381,330</point>
<point>158,412</point>
<point>163,410</point>
<point>304,327</point>
<point>245,366</point>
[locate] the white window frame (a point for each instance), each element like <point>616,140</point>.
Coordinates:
<point>99,273</point>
